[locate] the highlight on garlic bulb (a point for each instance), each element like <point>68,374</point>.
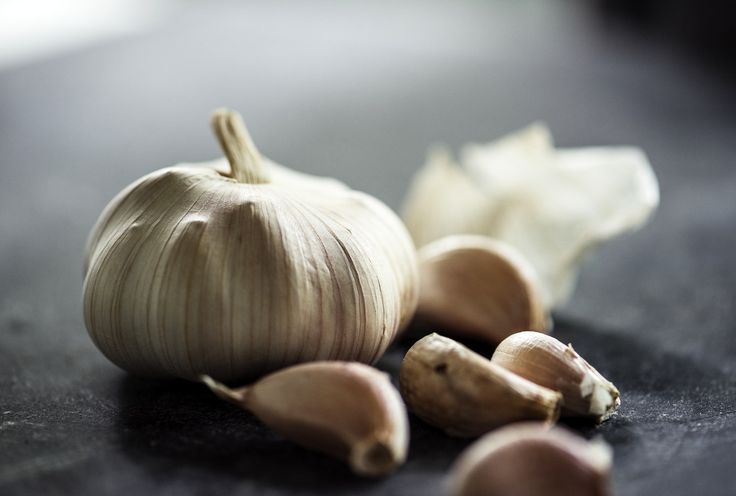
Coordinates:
<point>529,459</point>
<point>234,270</point>
<point>553,205</point>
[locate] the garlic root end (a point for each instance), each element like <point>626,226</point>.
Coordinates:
<point>374,457</point>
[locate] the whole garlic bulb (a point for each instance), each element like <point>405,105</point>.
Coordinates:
<point>237,271</point>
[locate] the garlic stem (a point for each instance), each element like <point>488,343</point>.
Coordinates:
<point>246,164</point>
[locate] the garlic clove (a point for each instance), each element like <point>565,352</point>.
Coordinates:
<point>239,267</point>
<point>546,361</point>
<point>479,287</point>
<point>554,206</point>
<point>529,459</point>
<point>463,393</point>
<point>347,410</point>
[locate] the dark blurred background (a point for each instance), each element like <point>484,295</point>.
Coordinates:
<point>94,94</point>
<point>704,29</point>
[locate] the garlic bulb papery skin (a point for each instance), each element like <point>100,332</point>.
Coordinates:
<point>554,206</point>
<point>241,269</point>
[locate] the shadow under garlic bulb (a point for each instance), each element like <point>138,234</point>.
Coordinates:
<point>235,271</point>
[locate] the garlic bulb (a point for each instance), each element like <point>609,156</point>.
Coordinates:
<point>552,205</point>
<point>236,271</point>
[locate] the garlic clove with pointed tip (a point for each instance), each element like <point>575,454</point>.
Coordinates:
<point>478,287</point>
<point>464,394</point>
<point>529,459</point>
<point>546,361</point>
<point>347,410</point>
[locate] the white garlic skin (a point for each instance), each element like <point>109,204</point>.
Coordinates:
<point>190,272</point>
<point>555,206</point>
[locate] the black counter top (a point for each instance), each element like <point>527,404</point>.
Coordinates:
<point>358,91</point>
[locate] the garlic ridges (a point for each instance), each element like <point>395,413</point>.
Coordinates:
<point>238,270</point>
<point>480,287</point>
<point>554,206</point>
<point>546,361</point>
<point>463,393</point>
<point>347,410</point>
<point>528,459</point>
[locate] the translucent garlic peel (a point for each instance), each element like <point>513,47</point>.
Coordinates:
<point>553,205</point>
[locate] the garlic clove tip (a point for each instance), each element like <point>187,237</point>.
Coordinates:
<point>222,391</point>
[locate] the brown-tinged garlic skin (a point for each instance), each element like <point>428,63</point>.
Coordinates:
<point>547,361</point>
<point>453,388</point>
<point>478,287</point>
<point>347,410</point>
<point>528,459</point>
<point>190,271</point>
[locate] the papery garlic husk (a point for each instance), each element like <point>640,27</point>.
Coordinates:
<point>453,388</point>
<point>529,459</point>
<point>236,270</point>
<point>548,362</point>
<point>554,206</point>
<point>478,287</point>
<point>347,410</point>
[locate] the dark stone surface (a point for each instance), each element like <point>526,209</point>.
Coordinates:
<point>358,91</point>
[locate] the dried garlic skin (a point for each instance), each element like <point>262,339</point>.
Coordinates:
<point>548,362</point>
<point>529,459</point>
<point>478,287</point>
<point>554,206</point>
<point>452,387</point>
<point>189,271</point>
<point>347,410</point>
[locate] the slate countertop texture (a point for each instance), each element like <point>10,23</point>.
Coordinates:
<point>358,91</point>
